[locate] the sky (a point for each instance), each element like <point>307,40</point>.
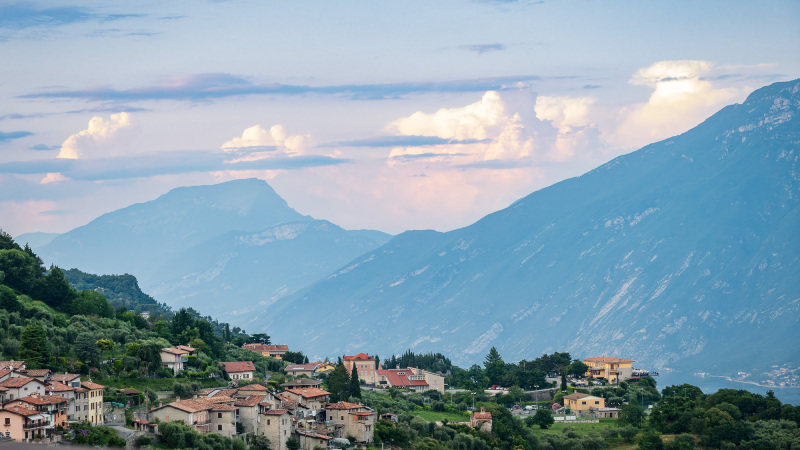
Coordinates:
<point>373,115</point>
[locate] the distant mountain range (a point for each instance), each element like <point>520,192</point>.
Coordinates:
<point>682,255</point>
<point>224,250</point>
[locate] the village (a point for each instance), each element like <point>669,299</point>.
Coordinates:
<point>38,405</point>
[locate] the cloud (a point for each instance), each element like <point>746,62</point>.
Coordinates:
<point>570,117</point>
<point>44,147</point>
<point>158,163</point>
<point>496,132</point>
<point>52,178</point>
<point>210,86</point>
<point>483,48</point>
<point>682,97</point>
<point>7,137</point>
<point>406,141</point>
<point>25,19</point>
<point>101,138</point>
<point>258,143</point>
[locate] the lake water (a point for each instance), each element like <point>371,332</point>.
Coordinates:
<point>711,384</point>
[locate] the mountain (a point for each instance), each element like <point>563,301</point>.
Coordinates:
<point>682,255</point>
<point>220,249</point>
<point>36,239</point>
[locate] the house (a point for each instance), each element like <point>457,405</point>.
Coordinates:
<point>89,402</point>
<point>5,374</point>
<point>3,394</point>
<point>365,365</point>
<point>583,403</point>
<point>68,392</point>
<point>54,406</point>
<point>352,419</point>
<point>309,369</point>
<point>17,387</point>
<point>206,415</point>
<point>274,351</point>
<point>324,369</point>
<point>42,375</point>
<point>612,369</point>
<point>239,370</point>
<point>70,379</point>
<point>389,417</point>
<point>402,378</point>
<point>175,358</point>
<point>310,440</point>
<point>481,419</point>
<point>312,397</point>
<point>607,413</point>
<point>22,422</point>
<point>145,314</point>
<point>276,425</point>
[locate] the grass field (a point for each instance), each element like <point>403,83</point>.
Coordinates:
<point>433,416</point>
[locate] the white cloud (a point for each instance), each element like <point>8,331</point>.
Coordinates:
<point>102,138</point>
<point>53,178</point>
<point>681,99</point>
<point>570,116</point>
<point>265,143</point>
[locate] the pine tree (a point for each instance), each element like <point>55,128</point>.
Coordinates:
<point>355,384</point>
<point>338,384</point>
<point>495,367</point>
<point>34,347</point>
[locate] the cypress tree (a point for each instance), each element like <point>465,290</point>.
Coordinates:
<point>355,384</point>
<point>34,348</point>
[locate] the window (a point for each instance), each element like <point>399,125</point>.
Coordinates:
<point>597,402</point>
<point>8,421</point>
<point>267,422</point>
<point>219,415</point>
<point>583,403</point>
<point>219,427</point>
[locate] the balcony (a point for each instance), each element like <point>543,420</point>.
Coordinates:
<point>36,424</point>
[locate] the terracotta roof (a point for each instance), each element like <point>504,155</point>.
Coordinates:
<point>174,351</point>
<point>37,372</point>
<point>399,377</point>
<point>418,382</point>
<point>196,404</point>
<point>2,389</point>
<point>483,415</point>
<point>308,392</point>
<point>21,410</point>
<point>266,347</point>
<point>254,387</point>
<point>63,377</point>
<point>576,396</point>
<point>17,382</point>
<point>302,382</point>
<point>314,435</point>
<point>224,393</point>
<point>81,390</point>
<point>252,400</point>
<point>309,366</point>
<point>185,347</point>
<point>344,405</point>
<point>55,386</point>
<point>44,400</point>
<point>16,365</point>
<point>4,372</point>
<point>359,357</point>
<point>276,412</point>
<point>129,391</point>
<point>223,407</point>
<point>239,366</point>
<point>362,413</point>
<point>608,359</point>
<point>137,420</point>
<point>91,385</point>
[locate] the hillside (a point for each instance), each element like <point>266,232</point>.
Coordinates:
<point>682,255</point>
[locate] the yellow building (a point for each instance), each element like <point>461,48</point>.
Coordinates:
<point>583,403</point>
<point>89,402</point>
<point>612,369</point>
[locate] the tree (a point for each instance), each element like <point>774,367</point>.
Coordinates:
<point>54,290</point>
<point>563,380</point>
<point>630,415</point>
<point>543,418</point>
<point>355,384</point>
<point>338,384</point>
<point>8,299</point>
<point>261,338</point>
<point>86,348</point>
<point>292,444</point>
<point>103,345</point>
<point>34,347</point>
<point>91,303</point>
<point>577,368</point>
<point>20,270</point>
<point>494,366</point>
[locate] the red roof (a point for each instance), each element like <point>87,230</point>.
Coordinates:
<point>482,415</point>
<point>55,386</point>
<point>18,382</point>
<point>253,387</point>
<point>359,357</point>
<point>64,377</point>
<point>91,385</point>
<point>36,372</point>
<point>308,392</point>
<point>309,366</point>
<point>275,412</point>
<point>344,405</point>
<point>239,366</point>
<point>44,400</point>
<point>266,347</point>
<point>175,351</point>
<point>21,410</point>
<point>11,364</point>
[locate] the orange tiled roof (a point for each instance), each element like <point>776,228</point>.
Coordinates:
<point>36,372</point>
<point>55,386</point>
<point>608,359</point>
<point>276,412</point>
<point>482,415</point>
<point>344,405</point>
<point>223,407</point>
<point>251,400</point>
<point>44,400</point>
<point>197,404</point>
<point>91,385</point>
<point>17,382</point>
<point>174,351</point>
<point>359,357</point>
<point>254,387</point>
<point>4,372</point>
<point>309,366</point>
<point>239,366</point>
<point>314,435</point>
<point>63,377</point>
<point>15,365</point>
<point>186,348</point>
<point>21,410</point>
<point>362,413</point>
<point>308,392</point>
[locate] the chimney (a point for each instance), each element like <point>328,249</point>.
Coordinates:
<point>160,404</point>
<point>177,398</point>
